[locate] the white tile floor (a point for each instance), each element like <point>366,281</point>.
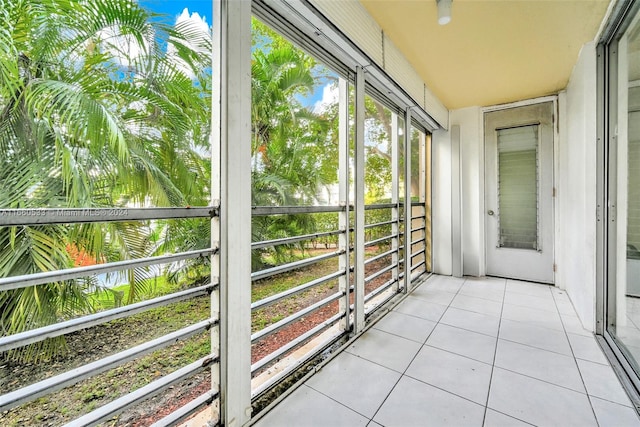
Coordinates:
<point>466,352</point>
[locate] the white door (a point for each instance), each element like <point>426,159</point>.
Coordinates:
<point>519,192</point>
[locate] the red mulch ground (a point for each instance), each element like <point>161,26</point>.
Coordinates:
<point>259,350</point>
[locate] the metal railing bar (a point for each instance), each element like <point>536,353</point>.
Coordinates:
<point>414,275</point>
<point>50,385</point>
<point>380,206</point>
<point>187,410</point>
<point>380,256</point>
<point>268,272</point>
<point>117,406</point>
<point>291,210</point>
<point>415,254</point>
<point>401,203</point>
<point>379,290</point>
<point>295,316</point>
<point>419,217</point>
<point>35,335</point>
<point>295,364</point>
<point>422,239</point>
<point>295,342</point>
<point>379,273</point>
<point>294,239</point>
<point>418,265</point>
<point>24,281</point>
<point>382,239</point>
<point>265,302</point>
<point>418,228</point>
<point>379,224</point>
<point>380,304</point>
<point>51,216</point>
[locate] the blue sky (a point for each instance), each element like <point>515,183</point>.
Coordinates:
<point>173,9</point>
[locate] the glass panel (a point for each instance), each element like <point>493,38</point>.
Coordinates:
<point>417,165</point>
<point>624,296</point>
<point>107,105</point>
<point>378,184</point>
<point>294,162</point>
<point>419,214</point>
<point>377,140</point>
<point>294,122</point>
<point>428,219</point>
<point>518,187</point>
<point>400,159</point>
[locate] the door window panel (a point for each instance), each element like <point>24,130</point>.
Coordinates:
<point>518,187</point>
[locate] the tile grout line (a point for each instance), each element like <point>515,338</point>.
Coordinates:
<point>458,354</point>
<point>403,374</point>
<point>495,353</point>
<point>539,348</point>
<point>466,357</point>
<point>338,402</point>
<point>386,367</point>
<point>575,360</point>
<point>546,382</point>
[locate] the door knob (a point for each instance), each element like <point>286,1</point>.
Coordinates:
<point>490,212</point>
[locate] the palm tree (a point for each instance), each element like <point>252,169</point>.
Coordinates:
<point>289,140</point>
<point>95,111</point>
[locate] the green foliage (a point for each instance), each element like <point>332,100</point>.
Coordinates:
<point>294,151</point>
<point>289,142</point>
<point>99,107</point>
<point>102,106</point>
<point>325,222</point>
<point>376,216</point>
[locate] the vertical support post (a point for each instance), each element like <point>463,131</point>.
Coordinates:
<point>395,210</point>
<point>456,203</point>
<point>427,208</point>
<point>359,203</point>
<point>232,124</point>
<point>216,152</point>
<point>407,200</point>
<point>601,193</point>
<point>344,261</point>
<point>423,193</point>
<point>423,169</point>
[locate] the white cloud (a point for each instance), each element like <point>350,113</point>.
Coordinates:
<point>330,94</point>
<point>198,37</point>
<point>193,19</point>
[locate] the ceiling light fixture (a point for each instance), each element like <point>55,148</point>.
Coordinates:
<point>444,11</point>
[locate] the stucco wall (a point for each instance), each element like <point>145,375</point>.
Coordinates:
<point>575,181</point>
<point>576,184</point>
<point>472,183</point>
<point>472,195</point>
<point>441,200</point>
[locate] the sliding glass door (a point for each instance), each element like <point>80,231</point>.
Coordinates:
<point>622,291</point>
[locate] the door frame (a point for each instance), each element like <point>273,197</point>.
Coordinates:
<point>557,118</point>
